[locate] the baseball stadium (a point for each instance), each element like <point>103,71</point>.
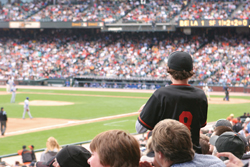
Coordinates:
<point>74,69</point>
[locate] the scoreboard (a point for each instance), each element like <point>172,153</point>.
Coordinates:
<point>214,23</point>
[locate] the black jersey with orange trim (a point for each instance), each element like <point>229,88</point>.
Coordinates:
<point>184,103</point>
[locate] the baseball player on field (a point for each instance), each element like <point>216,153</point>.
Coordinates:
<point>206,90</point>
<point>13,90</point>
<point>26,108</point>
<point>179,101</point>
<point>7,86</point>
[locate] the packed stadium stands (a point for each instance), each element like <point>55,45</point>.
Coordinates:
<point>62,53</point>
<point>154,12</point>
<point>20,11</point>
<point>244,11</point>
<point>60,13</point>
<point>35,55</point>
<point>129,11</point>
<point>209,10</point>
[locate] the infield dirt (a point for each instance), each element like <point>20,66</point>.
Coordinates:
<point>39,124</point>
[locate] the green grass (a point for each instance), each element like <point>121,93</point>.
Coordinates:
<point>65,135</point>
<point>137,94</point>
<point>218,111</point>
<point>85,107</point>
<point>88,107</point>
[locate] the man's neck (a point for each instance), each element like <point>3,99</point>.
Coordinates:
<point>180,82</point>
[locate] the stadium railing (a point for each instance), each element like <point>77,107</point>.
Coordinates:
<point>39,150</point>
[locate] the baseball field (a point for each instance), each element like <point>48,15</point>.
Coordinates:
<point>77,115</point>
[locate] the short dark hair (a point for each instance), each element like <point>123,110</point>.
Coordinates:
<point>180,75</point>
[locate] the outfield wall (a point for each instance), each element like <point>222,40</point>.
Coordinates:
<point>109,83</point>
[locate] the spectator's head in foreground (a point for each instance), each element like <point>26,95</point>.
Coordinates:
<point>72,156</point>
<point>172,143</point>
<point>229,142</point>
<point>180,65</point>
<point>114,148</point>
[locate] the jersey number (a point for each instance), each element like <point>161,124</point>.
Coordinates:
<point>186,118</point>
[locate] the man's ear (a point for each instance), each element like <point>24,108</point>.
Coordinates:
<point>160,154</point>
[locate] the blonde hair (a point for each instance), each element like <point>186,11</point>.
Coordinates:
<point>149,147</point>
<point>52,144</point>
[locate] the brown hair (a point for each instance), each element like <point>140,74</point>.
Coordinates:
<point>180,75</point>
<point>221,129</point>
<point>116,148</point>
<point>204,140</point>
<point>173,140</point>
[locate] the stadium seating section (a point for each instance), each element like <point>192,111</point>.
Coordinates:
<point>57,53</point>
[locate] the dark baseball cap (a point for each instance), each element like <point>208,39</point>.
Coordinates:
<point>180,61</point>
<point>31,146</point>
<point>223,122</point>
<point>229,142</point>
<point>71,155</point>
<point>27,97</point>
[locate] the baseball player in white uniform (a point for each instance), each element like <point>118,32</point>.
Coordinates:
<point>206,91</point>
<point>26,108</point>
<point>13,90</point>
<point>7,86</point>
<point>11,82</point>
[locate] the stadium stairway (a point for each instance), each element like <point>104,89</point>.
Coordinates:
<point>236,10</point>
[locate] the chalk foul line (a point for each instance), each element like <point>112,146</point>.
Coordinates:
<point>71,123</point>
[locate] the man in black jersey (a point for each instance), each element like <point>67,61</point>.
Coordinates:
<point>179,101</point>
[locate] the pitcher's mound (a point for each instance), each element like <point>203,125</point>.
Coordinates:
<point>231,101</point>
<point>47,103</point>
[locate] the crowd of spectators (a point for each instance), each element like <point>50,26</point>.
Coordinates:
<point>131,56</point>
<point>208,10</point>
<point>244,11</point>
<point>158,11</point>
<point>20,11</point>
<point>224,60</point>
<point>155,11</point>
<point>60,13</point>
<point>106,11</point>
<point>49,54</point>
<point>35,54</point>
